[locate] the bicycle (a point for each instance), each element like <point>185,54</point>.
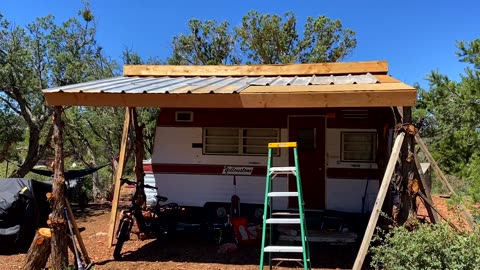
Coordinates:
<point>152,222</point>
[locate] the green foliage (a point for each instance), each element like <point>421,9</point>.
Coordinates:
<point>208,43</point>
<point>40,55</point>
<point>325,41</point>
<point>452,111</point>
<point>428,247</point>
<point>267,39</point>
<point>262,39</point>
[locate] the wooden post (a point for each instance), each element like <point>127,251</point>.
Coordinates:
<point>443,179</point>
<point>77,233</point>
<point>39,250</point>
<point>425,188</point>
<point>57,217</point>
<point>434,164</point>
<point>372,222</point>
<point>118,176</point>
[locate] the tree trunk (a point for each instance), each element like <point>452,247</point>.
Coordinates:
<point>57,217</point>
<point>35,152</point>
<point>408,197</point>
<point>139,147</point>
<point>39,251</point>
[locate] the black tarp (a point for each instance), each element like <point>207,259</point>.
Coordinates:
<point>23,209</point>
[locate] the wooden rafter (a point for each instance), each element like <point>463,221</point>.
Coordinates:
<point>374,67</point>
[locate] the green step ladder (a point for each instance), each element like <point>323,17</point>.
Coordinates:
<point>294,218</point>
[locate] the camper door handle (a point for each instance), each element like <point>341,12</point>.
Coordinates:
<point>320,169</point>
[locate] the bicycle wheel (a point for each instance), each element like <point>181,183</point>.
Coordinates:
<point>122,236</point>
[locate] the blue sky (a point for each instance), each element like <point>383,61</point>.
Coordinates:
<point>415,36</point>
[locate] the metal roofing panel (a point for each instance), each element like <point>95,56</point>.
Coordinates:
<point>199,85</point>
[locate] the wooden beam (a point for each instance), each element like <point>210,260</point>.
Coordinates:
<point>77,233</point>
<point>443,179</point>
<point>328,88</point>
<point>258,70</point>
<point>424,187</point>
<point>372,222</point>
<point>386,79</point>
<point>434,164</point>
<point>118,176</point>
<point>245,100</point>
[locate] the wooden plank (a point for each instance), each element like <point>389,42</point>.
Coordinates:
<point>386,78</point>
<point>247,100</point>
<point>424,187</point>
<point>118,176</point>
<point>328,88</point>
<point>77,233</point>
<point>443,179</point>
<point>377,208</point>
<point>434,164</point>
<point>258,70</point>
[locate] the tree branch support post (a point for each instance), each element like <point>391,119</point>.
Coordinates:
<point>56,220</point>
<point>118,176</point>
<point>443,179</point>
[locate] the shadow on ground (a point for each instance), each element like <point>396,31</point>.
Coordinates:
<point>189,247</point>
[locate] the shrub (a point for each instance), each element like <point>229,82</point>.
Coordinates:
<point>428,247</point>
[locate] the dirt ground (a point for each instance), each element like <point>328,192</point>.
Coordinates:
<point>190,250</point>
<point>187,250</point>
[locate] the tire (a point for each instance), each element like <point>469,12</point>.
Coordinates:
<point>122,236</point>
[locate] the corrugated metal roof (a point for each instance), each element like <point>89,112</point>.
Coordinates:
<point>177,85</point>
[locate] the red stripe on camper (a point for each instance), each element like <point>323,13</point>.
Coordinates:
<point>196,169</point>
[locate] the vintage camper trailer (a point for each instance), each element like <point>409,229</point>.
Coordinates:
<point>204,155</point>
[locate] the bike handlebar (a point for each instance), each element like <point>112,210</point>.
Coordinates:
<point>124,180</point>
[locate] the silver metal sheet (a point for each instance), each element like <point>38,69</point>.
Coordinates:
<point>177,85</point>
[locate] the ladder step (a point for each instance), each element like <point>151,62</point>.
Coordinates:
<point>283,194</point>
<point>283,221</point>
<point>287,259</point>
<point>283,249</point>
<point>283,170</point>
<point>285,214</point>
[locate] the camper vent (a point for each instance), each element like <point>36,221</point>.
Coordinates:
<point>355,114</point>
<point>183,116</point>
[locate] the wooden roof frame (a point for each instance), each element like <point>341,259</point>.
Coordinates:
<point>373,67</point>
<point>387,92</point>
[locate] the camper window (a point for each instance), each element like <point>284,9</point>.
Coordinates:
<point>239,141</point>
<point>358,146</point>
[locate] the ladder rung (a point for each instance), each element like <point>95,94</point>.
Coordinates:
<point>283,221</point>
<point>285,214</point>
<point>287,259</point>
<point>282,144</point>
<point>283,194</point>
<point>282,170</point>
<point>283,249</point>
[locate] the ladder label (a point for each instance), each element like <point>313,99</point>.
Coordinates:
<point>282,144</point>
